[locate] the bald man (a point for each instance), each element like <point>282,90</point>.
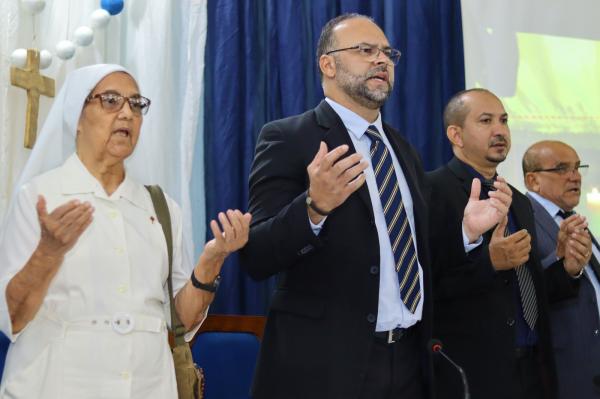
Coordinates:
<point>491,303</point>
<point>552,172</point>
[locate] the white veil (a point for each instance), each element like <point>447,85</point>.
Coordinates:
<point>56,141</point>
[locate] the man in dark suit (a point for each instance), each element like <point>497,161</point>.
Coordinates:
<point>490,305</point>
<point>351,315</point>
<point>553,180</point>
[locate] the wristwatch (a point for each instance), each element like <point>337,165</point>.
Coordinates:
<point>311,204</point>
<point>210,287</point>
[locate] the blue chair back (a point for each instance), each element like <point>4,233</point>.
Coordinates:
<point>226,347</point>
<point>4,342</point>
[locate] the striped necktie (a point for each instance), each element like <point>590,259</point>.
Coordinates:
<point>398,228</point>
<point>524,279</point>
<point>527,292</point>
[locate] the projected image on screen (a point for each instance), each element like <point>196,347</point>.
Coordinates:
<point>556,97</point>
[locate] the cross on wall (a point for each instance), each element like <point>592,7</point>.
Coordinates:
<point>30,79</point>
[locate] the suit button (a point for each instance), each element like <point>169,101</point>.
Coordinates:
<point>596,332</point>
<point>505,281</point>
<point>371,318</point>
<point>374,270</point>
<point>510,322</point>
<point>305,250</point>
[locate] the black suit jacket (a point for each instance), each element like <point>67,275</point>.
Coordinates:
<point>575,322</point>
<point>474,305</point>
<point>322,316</point>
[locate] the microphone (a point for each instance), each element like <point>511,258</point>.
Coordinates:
<point>435,347</point>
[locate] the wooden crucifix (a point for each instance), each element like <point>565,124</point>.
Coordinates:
<point>30,79</point>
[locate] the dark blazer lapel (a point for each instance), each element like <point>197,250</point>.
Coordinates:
<point>520,210</point>
<point>543,218</point>
<point>593,261</point>
<point>407,168</point>
<point>337,135</point>
<point>458,169</point>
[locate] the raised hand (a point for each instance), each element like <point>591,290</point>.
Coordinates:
<point>332,179</point>
<point>511,251</point>
<point>232,236</point>
<point>482,215</point>
<point>574,244</point>
<point>61,229</point>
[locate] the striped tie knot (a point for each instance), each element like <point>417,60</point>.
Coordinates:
<point>373,133</point>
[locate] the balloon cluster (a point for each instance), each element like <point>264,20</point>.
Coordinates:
<point>82,37</point>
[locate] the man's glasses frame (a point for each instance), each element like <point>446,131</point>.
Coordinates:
<point>565,169</point>
<point>371,52</point>
<point>114,102</point>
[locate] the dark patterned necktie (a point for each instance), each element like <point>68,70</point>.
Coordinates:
<point>566,214</point>
<point>527,292</point>
<point>405,255</point>
<point>524,279</point>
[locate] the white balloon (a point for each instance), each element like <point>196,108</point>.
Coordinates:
<point>19,57</point>
<point>65,49</point>
<point>99,18</point>
<point>84,35</point>
<point>33,6</point>
<point>45,59</point>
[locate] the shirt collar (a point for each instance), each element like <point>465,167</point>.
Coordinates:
<point>354,123</point>
<point>78,180</point>
<point>548,205</point>
<point>475,173</point>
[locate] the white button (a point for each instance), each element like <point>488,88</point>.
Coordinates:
<point>122,323</point>
<point>125,375</point>
<point>122,289</point>
<point>119,251</point>
<point>113,214</point>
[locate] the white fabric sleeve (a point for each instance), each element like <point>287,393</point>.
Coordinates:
<point>18,239</point>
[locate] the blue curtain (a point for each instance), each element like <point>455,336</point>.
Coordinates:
<point>260,66</point>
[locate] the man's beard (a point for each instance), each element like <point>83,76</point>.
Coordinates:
<point>356,87</point>
<point>498,158</point>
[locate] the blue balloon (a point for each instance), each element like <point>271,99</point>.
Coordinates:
<point>112,6</point>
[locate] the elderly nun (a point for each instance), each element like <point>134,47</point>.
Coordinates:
<point>81,248</point>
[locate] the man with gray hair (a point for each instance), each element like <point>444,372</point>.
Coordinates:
<point>552,172</point>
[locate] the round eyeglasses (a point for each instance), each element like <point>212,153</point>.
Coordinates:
<point>113,102</point>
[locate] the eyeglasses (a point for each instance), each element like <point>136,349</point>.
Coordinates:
<point>371,52</point>
<point>113,102</point>
<point>566,169</point>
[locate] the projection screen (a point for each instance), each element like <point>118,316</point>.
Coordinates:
<point>541,57</point>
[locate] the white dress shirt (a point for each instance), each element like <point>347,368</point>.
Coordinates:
<point>101,328</point>
<point>391,311</point>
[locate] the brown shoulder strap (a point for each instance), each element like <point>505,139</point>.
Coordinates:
<point>164,218</point>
